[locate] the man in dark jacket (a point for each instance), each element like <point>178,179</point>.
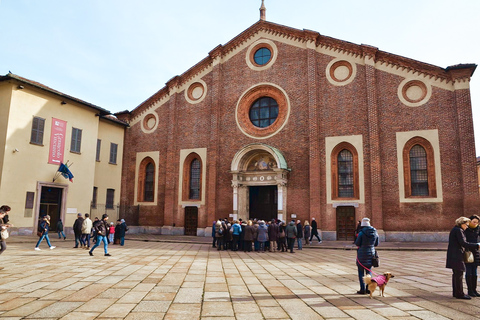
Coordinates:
<point>77,229</point>
<point>290,234</point>
<point>472,234</point>
<point>314,231</point>
<point>273,235</point>
<point>299,235</point>
<point>101,228</point>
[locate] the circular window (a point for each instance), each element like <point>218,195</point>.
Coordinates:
<point>196,92</point>
<point>340,72</point>
<point>264,112</point>
<point>414,93</point>
<point>150,122</point>
<point>262,56</point>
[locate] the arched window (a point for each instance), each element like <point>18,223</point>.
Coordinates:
<point>195,170</point>
<point>146,181</point>
<point>149,179</point>
<point>345,172</point>
<point>419,168</point>
<point>192,178</point>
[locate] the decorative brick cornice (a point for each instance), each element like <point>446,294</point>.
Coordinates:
<point>322,42</point>
<point>461,72</point>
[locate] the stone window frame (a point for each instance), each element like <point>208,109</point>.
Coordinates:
<point>187,163</point>
<point>432,186</point>
<point>141,179</point>
<point>334,167</point>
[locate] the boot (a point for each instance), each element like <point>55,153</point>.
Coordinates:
<point>468,280</point>
<point>474,286</point>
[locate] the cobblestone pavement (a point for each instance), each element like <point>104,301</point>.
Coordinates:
<point>165,280</point>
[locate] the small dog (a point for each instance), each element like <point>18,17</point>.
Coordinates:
<point>380,281</point>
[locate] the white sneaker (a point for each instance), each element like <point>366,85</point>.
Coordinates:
<point>52,247</point>
<point>38,249</point>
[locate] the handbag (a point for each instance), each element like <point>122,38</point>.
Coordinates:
<point>4,234</point>
<point>39,233</point>
<point>468,257</point>
<point>375,260</point>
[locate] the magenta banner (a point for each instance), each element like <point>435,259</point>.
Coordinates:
<point>57,141</point>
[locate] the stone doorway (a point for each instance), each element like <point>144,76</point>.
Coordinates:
<point>263,202</point>
<point>259,181</point>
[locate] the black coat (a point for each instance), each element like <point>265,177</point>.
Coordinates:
<point>366,242</point>
<point>472,237</point>
<point>314,227</point>
<point>273,232</point>
<point>299,231</point>
<point>457,243</point>
<point>77,226</point>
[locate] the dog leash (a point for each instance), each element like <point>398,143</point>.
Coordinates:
<point>367,268</point>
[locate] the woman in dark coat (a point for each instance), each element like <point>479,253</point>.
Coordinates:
<point>248,237</point>
<point>471,234</point>
<point>457,243</point>
<point>366,242</point>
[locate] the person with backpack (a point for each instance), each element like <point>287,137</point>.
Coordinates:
<point>101,228</point>
<point>60,230</point>
<point>43,226</point>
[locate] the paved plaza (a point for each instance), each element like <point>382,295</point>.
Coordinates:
<point>192,280</point>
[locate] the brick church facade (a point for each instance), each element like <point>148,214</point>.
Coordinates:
<point>287,123</point>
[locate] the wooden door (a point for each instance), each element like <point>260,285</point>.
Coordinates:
<point>191,221</point>
<point>346,223</point>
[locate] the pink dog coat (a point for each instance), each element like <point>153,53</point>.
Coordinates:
<point>380,280</point>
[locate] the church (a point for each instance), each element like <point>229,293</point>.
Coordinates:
<point>282,123</point>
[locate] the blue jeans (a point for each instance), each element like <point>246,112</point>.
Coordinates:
<point>86,239</point>
<point>78,238</point>
<point>299,243</point>
<point>105,243</point>
<point>61,234</point>
<point>362,272</point>
<point>44,236</point>
<point>471,269</point>
<point>122,241</point>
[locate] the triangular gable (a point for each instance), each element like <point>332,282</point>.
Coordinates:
<point>305,38</point>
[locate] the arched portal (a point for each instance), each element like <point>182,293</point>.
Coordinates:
<point>259,181</point>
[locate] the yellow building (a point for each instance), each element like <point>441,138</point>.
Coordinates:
<point>40,128</point>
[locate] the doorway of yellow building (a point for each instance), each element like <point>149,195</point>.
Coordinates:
<point>51,204</point>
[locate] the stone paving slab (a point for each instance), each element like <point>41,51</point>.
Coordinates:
<point>192,280</point>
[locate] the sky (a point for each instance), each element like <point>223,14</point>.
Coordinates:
<point>117,53</point>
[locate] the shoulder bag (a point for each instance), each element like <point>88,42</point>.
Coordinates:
<point>468,257</point>
<point>375,260</point>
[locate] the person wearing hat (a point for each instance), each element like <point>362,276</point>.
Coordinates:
<point>366,242</point>
<point>77,230</point>
<point>101,227</point>
<point>121,233</point>
<point>43,226</point>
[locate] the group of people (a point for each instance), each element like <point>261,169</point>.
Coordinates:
<point>463,238</point>
<point>100,230</point>
<point>84,229</point>
<point>272,236</point>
